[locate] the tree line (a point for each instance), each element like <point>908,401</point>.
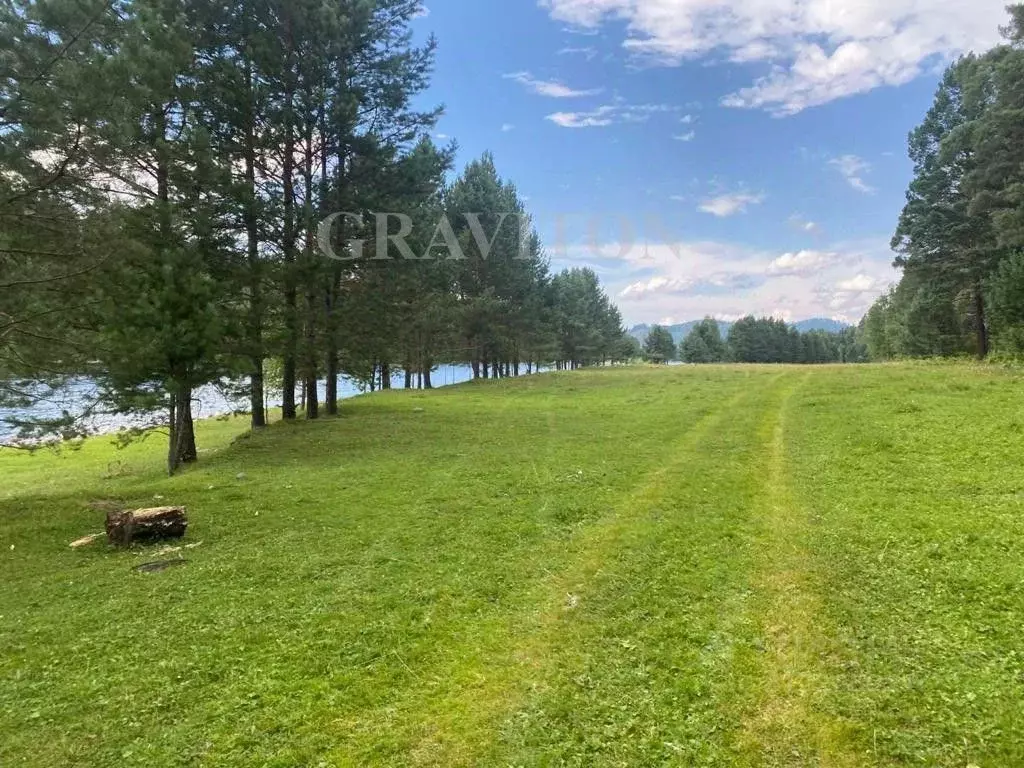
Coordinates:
<point>755,340</point>
<point>166,169</point>
<point>960,237</point>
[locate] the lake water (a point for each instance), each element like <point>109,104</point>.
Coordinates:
<point>209,401</point>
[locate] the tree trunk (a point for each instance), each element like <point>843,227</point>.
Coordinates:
<point>288,240</point>
<point>288,374</point>
<point>312,398</point>
<point>156,524</point>
<point>331,399</point>
<point>427,384</point>
<point>182,440</point>
<point>385,376</point>
<point>982,328</point>
<point>172,441</point>
<point>187,453</point>
<point>181,447</point>
<point>309,272</point>
<point>255,315</point>
<point>332,362</point>
<point>408,375</point>
<point>256,398</point>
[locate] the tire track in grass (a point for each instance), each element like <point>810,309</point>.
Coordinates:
<point>506,681</point>
<point>452,714</point>
<point>789,724</point>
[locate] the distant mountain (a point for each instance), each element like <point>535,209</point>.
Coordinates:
<point>681,330</point>
<point>821,324</point>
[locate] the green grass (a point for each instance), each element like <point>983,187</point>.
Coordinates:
<point>690,566</point>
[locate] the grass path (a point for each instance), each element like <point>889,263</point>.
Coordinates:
<point>791,725</point>
<point>450,716</point>
<point>756,567</point>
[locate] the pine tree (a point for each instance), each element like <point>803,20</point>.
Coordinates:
<point>159,304</point>
<point>53,93</point>
<point>659,347</point>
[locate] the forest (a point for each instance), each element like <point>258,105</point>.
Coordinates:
<point>164,169</point>
<point>756,340</point>
<point>960,238</point>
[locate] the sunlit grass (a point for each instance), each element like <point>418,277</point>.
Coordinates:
<point>687,566</point>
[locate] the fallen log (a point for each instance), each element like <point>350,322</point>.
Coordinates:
<point>146,525</point>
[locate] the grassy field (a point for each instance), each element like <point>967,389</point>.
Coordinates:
<point>632,567</point>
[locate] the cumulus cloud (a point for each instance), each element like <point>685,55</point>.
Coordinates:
<point>801,263</point>
<point>729,205</point>
<point>859,284</point>
<point>688,136</point>
<point>853,168</point>
<point>818,50</point>
<point>550,88</point>
<point>692,279</point>
<point>852,296</point>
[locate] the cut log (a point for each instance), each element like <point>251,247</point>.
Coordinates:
<point>146,525</point>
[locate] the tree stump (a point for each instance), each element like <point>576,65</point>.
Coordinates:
<point>146,525</point>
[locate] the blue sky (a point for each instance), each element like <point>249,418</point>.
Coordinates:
<point>705,156</point>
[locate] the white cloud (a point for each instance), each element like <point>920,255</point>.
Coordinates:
<point>729,205</point>
<point>819,50</point>
<point>587,52</point>
<point>688,136</point>
<point>859,284</point>
<point>687,119</point>
<point>594,119</point>
<point>609,114</point>
<point>711,285</point>
<point>853,296</point>
<point>804,224</point>
<point>691,279</point>
<point>801,263</point>
<point>853,169</point>
<point>507,127</point>
<point>550,88</point>
<point>421,13</point>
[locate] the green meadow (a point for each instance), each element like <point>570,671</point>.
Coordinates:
<point>688,566</point>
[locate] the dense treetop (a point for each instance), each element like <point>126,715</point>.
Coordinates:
<point>961,233</point>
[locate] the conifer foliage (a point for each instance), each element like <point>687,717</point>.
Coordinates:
<point>166,170</point>
<point>961,234</point>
